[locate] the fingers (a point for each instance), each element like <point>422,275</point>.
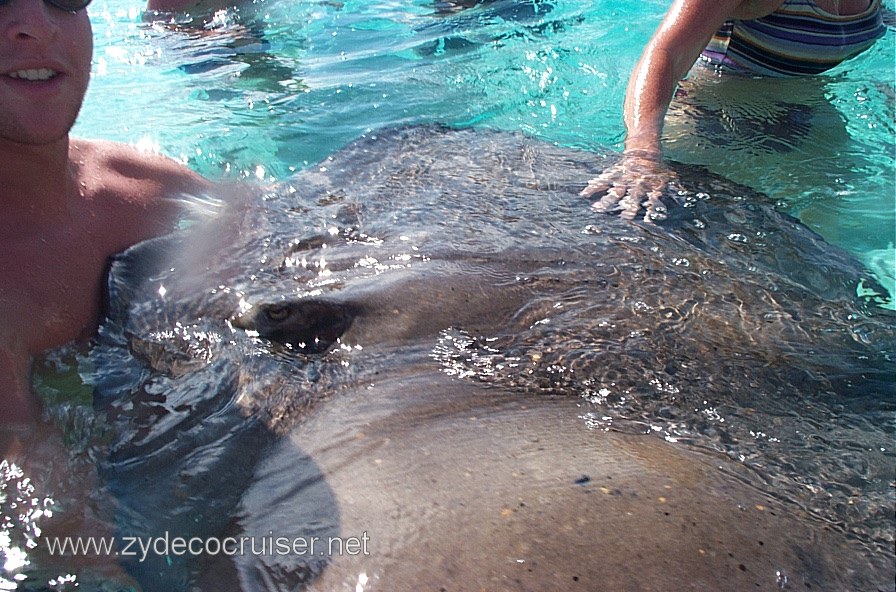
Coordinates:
<point>630,188</point>
<point>655,209</point>
<point>630,205</point>
<point>630,201</point>
<point>610,200</point>
<point>625,200</point>
<point>595,185</point>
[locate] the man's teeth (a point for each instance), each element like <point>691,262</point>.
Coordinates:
<point>36,74</point>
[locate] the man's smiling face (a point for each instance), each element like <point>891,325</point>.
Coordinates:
<point>45,58</point>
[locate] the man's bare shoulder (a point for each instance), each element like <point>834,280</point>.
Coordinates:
<point>129,195</point>
<point>123,172</point>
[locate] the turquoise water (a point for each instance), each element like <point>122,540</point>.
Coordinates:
<point>264,91</point>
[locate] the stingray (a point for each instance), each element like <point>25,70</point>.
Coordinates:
<point>404,323</point>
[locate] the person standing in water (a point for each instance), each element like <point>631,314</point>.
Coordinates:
<point>738,37</point>
<point>66,205</point>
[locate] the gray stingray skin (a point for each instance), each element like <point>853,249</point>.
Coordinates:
<point>422,276</point>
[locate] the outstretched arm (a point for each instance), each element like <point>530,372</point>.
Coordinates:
<point>685,30</point>
<point>676,45</point>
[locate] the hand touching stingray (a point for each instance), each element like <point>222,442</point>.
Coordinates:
<point>637,180</point>
<point>723,35</point>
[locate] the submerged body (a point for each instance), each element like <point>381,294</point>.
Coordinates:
<point>436,298</point>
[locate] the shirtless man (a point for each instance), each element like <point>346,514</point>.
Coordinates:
<point>66,205</point>
<point>780,46</point>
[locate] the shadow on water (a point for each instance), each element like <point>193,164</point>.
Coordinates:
<point>235,44</point>
<point>428,340</point>
<point>460,25</point>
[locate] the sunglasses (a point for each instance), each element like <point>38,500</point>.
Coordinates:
<point>66,5</point>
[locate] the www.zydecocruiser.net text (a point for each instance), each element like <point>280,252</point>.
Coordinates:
<point>169,545</point>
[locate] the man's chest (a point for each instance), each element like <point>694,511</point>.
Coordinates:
<point>50,290</point>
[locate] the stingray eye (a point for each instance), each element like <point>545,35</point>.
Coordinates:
<point>277,313</point>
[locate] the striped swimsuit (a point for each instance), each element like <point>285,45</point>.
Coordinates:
<point>796,39</point>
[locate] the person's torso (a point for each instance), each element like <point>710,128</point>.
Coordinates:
<point>798,38</point>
